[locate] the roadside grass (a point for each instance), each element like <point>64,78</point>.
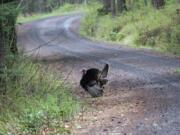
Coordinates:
<point>143,28</point>
<point>63,10</point>
<point>34,101</point>
<point>177,70</point>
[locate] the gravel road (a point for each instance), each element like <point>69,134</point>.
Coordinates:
<point>143,94</point>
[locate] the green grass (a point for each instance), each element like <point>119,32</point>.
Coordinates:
<point>177,70</point>
<point>35,99</point>
<point>66,9</point>
<point>142,28</point>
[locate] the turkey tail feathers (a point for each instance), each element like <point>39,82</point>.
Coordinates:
<point>95,91</point>
<point>104,72</point>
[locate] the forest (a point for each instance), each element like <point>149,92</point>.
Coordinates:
<point>141,44</point>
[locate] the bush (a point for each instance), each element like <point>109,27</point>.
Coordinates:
<point>67,7</point>
<point>34,99</point>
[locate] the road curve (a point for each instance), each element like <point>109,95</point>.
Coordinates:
<point>143,96</point>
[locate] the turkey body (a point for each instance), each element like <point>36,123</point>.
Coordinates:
<point>89,77</point>
<point>93,81</point>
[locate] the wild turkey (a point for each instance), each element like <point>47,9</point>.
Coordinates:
<point>93,80</point>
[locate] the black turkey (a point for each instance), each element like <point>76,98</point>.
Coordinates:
<point>93,80</point>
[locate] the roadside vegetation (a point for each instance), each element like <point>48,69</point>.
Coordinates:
<point>177,70</point>
<point>33,100</point>
<point>139,25</point>
<point>62,10</point>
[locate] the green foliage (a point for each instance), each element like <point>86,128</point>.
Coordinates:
<point>143,27</point>
<point>31,99</point>
<point>63,10</point>
<point>177,70</point>
<point>67,7</point>
<point>8,14</point>
<point>90,25</point>
<point>34,99</point>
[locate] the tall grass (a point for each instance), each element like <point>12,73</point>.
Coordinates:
<point>143,27</point>
<point>34,100</point>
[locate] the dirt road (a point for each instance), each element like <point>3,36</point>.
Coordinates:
<point>143,95</point>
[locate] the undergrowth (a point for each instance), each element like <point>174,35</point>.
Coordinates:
<point>144,27</point>
<point>33,100</point>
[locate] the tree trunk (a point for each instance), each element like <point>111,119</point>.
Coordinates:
<point>158,3</point>
<point>121,5</point>
<point>2,49</point>
<point>107,6</point>
<point>145,2</point>
<point>7,31</point>
<point>113,7</point>
<point>8,16</point>
<point>10,34</point>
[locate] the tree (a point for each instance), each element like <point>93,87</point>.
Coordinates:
<point>107,6</point>
<point>7,35</point>
<point>8,16</point>
<point>121,4</point>
<point>2,48</point>
<point>113,7</point>
<point>7,25</point>
<point>158,3</point>
<point>145,2</point>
